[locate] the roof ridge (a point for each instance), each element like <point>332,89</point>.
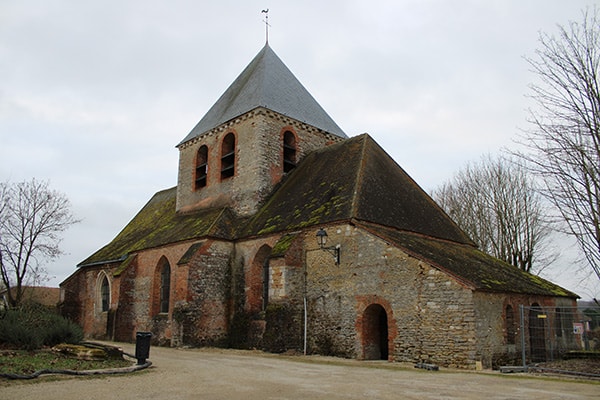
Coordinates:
<point>359,176</point>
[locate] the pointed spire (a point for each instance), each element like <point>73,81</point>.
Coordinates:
<point>266,82</point>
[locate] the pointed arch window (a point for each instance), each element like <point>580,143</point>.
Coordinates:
<point>289,151</point>
<point>165,287</point>
<point>201,167</point>
<point>228,156</point>
<point>105,294</point>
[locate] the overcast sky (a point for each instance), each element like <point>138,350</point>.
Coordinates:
<point>94,95</point>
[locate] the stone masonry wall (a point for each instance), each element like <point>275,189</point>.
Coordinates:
<point>430,316</point>
<point>208,305</point>
<point>493,347</point>
<point>144,293</point>
<point>258,160</point>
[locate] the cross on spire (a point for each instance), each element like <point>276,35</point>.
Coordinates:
<point>266,21</point>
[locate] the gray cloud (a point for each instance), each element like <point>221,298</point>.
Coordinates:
<point>95,95</point>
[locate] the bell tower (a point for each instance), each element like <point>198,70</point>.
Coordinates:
<point>255,133</point>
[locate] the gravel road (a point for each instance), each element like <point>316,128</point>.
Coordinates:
<point>229,374</point>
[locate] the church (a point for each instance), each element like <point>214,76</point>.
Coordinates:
<point>284,234</point>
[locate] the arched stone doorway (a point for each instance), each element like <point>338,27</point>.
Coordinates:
<point>375,333</point>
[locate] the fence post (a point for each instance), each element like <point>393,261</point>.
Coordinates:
<point>549,336</point>
<point>522,322</point>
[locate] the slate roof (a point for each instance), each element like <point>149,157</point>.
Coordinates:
<point>266,82</point>
<point>355,179</point>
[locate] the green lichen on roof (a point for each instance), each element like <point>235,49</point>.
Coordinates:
<point>470,265</point>
<point>352,179</point>
<point>283,245</point>
<point>158,224</point>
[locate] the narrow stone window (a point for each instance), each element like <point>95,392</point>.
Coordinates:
<point>228,156</point>
<point>201,167</point>
<point>105,294</point>
<point>165,287</point>
<point>510,325</point>
<point>289,151</point>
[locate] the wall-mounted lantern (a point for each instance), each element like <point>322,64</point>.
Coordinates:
<point>322,241</point>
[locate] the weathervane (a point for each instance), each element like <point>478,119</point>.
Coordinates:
<point>266,21</point>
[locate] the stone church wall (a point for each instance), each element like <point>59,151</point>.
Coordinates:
<point>217,300</point>
<point>494,349</point>
<point>205,319</point>
<point>430,316</point>
<point>258,160</point>
<point>82,303</point>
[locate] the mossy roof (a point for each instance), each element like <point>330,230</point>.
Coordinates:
<point>355,179</point>
<point>468,264</point>
<point>354,182</point>
<point>157,224</point>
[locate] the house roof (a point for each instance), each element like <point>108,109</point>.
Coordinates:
<point>47,296</point>
<point>355,179</point>
<point>158,224</point>
<point>266,82</point>
<point>468,264</point>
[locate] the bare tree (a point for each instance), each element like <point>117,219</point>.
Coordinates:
<point>31,218</point>
<point>563,145</point>
<point>496,204</point>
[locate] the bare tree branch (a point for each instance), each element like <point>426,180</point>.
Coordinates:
<point>32,216</point>
<point>497,205</point>
<point>563,145</point>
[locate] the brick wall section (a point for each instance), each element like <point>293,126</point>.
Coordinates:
<point>81,292</point>
<point>258,158</point>
<point>71,295</point>
<point>125,311</point>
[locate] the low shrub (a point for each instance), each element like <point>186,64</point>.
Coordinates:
<point>33,326</point>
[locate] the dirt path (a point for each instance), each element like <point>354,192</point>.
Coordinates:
<point>227,374</point>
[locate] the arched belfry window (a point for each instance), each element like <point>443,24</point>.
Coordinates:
<point>201,167</point>
<point>165,287</point>
<point>289,151</point>
<point>228,156</point>
<point>104,294</point>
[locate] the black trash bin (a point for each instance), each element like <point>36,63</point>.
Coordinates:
<point>142,346</point>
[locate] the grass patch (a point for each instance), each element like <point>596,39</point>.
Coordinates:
<point>27,362</point>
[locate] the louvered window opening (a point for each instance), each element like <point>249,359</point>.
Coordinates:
<point>289,151</point>
<point>201,167</point>
<point>228,156</point>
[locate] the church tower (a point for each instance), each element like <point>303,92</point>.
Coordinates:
<point>255,133</point>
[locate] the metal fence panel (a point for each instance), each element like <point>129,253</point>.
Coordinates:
<point>549,333</point>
